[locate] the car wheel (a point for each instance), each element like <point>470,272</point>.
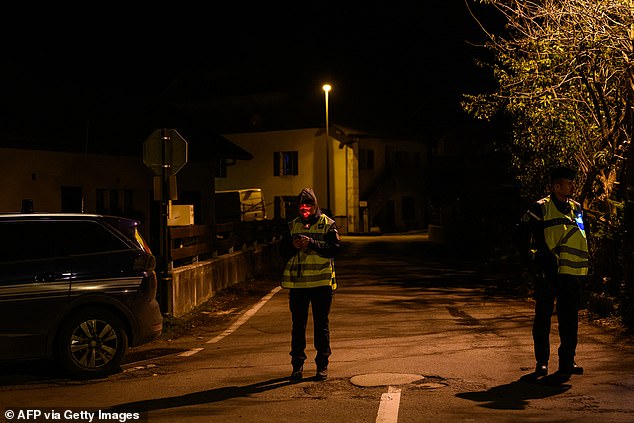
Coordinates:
<point>91,343</point>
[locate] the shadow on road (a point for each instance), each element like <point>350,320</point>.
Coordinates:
<point>517,394</point>
<point>42,371</point>
<point>28,372</point>
<point>204,397</point>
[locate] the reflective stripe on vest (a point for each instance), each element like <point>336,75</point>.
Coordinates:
<point>566,237</point>
<point>307,269</point>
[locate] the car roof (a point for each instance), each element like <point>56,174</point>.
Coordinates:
<point>56,215</point>
<point>48,214</point>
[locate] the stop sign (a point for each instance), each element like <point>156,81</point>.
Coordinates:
<point>165,148</point>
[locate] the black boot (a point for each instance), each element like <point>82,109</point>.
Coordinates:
<point>541,369</point>
<point>322,373</point>
<point>570,369</point>
<point>297,375</point>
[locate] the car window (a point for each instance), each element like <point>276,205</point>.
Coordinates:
<point>86,238</point>
<point>19,242</point>
<point>129,228</point>
<point>46,239</point>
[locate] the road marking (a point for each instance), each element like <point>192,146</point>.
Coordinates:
<point>246,316</point>
<point>388,408</point>
<point>190,352</point>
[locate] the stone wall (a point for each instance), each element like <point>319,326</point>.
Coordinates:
<point>193,284</point>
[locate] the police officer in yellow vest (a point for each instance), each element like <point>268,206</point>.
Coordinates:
<point>559,250</point>
<point>309,250</point>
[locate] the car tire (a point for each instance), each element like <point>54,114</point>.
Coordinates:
<point>91,343</point>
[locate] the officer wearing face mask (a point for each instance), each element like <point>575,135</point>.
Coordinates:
<point>309,273</point>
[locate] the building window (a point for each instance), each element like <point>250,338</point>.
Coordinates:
<point>407,159</point>
<point>127,200</point>
<point>100,201</point>
<point>116,202</point>
<point>285,207</point>
<point>366,159</point>
<point>114,205</point>
<point>72,199</point>
<point>221,170</point>
<point>401,159</point>
<point>285,163</point>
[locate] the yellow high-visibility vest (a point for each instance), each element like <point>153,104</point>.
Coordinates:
<point>307,269</point>
<point>565,236</point>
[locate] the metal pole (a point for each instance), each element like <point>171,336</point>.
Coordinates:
<point>326,90</point>
<point>164,270</point>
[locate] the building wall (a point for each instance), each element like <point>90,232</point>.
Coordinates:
<point>310,143</point>
<point>352,192</point>
<point>396,176</point>
<point>40,175</point>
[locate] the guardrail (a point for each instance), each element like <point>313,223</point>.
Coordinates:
<point>193,243</point>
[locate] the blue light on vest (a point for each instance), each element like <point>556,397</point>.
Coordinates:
<point>579,220</point>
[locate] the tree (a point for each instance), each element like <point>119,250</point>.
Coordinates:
<point>566,82</point>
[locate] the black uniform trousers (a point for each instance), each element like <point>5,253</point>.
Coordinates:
<point>566,290</point>
<point>320,300</point>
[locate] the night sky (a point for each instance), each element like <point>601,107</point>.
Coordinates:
<point>396,67</point>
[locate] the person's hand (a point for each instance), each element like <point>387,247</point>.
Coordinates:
<point>301,241</point>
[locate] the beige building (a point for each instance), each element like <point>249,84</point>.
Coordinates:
<point>368,183</point>
<point>118,184</point>
<point>63,181</point>
<point>374,183</point>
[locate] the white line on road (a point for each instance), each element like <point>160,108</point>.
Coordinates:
<point>190,352</point>
<point>246,316</point>
<point>388,408</point>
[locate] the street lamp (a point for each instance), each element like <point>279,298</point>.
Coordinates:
<point>327,88</point>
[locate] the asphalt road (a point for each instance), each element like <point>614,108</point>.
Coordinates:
<point>416,337</point>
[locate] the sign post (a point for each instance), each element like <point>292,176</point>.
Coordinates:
<point>165,153</point>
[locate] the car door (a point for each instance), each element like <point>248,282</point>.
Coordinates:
<point>103,262</point>
<point>34,286</point>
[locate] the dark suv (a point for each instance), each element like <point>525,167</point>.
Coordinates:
<point>78,288</point>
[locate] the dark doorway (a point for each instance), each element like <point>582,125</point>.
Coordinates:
<point>72,200</point>
<point>384,219</point>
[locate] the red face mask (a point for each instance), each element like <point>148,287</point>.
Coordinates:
<point>305,210</point>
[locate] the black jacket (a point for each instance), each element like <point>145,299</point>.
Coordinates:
<point>331,244</point>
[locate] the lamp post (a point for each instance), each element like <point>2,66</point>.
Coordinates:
<point>327,88</point>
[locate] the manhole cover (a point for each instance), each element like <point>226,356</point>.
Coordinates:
<point>384,379</point>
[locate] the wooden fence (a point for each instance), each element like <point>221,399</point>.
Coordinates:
<point>190,244</point>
